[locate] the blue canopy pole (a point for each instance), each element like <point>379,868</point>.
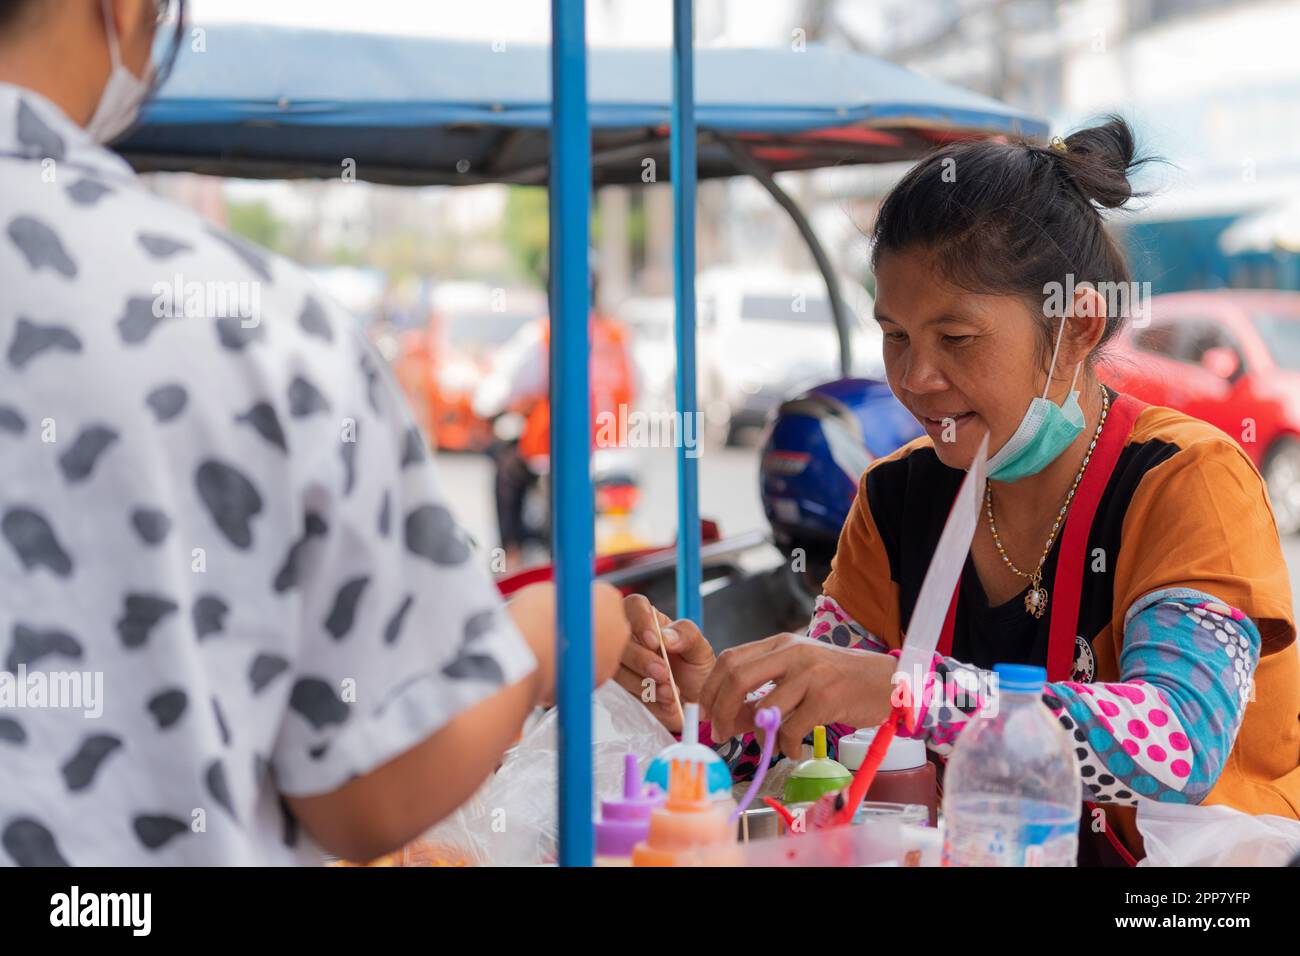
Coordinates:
<point>682,152</point>
<point>570,219</point>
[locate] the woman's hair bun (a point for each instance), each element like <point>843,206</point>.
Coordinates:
<point>1100,159</point>
<point>1019,217</point>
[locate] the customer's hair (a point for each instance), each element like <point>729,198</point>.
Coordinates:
<point>12,13</point>
<point>1009,218</point>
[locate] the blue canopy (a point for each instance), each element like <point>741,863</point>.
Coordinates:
<point>276,102</point>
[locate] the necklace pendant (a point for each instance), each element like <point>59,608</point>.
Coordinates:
<point>1036,601</point>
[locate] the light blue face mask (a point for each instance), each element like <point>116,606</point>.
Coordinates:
<point>1044,433</point>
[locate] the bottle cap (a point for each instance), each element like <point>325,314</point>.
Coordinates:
<point>903,753</point>
<point>625,820</point>
<point>692,751</point>
<point>1019,678</point>
<point>817,775</point>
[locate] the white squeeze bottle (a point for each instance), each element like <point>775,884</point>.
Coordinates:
<point>1012,793</point>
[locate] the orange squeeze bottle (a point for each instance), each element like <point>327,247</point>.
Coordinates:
<point>688,821</point>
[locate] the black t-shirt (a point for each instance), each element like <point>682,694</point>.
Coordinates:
<point>1184,507</point>
<point>910,497</point>
<point>1004,632</point>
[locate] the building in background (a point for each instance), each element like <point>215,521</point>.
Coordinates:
<point>1211,86</point>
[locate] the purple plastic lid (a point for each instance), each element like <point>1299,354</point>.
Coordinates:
<point>625,821</point>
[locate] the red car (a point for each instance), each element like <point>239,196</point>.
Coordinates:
<point>1232,358</point>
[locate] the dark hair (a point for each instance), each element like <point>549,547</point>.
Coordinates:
<point>1009,218</point>
<point>14,13</point>
<point>11,11</point>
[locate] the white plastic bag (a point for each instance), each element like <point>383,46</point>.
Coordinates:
<point>1186,835</point>
<point>513,819</point>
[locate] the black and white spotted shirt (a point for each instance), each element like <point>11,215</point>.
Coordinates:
<point>227,572</point>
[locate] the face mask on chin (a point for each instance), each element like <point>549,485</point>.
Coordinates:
<point>123,95</point>
<point>1044,433</point>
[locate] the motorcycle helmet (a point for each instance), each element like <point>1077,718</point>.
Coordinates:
<point>817,447</point>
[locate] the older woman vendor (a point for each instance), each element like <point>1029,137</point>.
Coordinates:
<point>1129,549</point>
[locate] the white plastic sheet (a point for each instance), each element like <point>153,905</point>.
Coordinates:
<point>1183,835</point>
<point>513,819</point>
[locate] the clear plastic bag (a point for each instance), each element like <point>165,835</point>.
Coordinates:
<point>1185,835</point>
<point>513,819</point>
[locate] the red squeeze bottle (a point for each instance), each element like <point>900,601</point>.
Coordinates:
<point>905,775</point>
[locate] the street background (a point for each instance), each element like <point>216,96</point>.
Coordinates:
<point>728,494</point>
<point>443,278</point>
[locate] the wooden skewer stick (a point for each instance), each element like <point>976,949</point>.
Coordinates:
<point>663,650</point>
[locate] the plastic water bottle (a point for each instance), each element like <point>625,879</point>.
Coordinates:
<point>1012,792</point>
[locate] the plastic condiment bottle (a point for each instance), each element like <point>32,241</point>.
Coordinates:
<point>689,824</point>
<point>625,821</point>
<point>816,776</point>
<point>905,775</point>
<point>690,749</point>
<point>1012,791</point>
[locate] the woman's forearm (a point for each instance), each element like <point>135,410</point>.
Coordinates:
<point>1161,732</point>
<point>1164,732</point>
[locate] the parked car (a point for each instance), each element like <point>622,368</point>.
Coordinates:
<point>649,324</point>
<point>765,334</point>
<point>1232,358</point>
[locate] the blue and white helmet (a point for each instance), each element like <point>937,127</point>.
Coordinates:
<point>817,448</point>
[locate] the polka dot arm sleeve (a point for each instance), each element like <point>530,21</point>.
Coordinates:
<point>830,623</point>
<point>951,694</point>
<point>1164,732</point>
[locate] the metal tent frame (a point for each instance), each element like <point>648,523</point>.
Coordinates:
<point>411,111</point>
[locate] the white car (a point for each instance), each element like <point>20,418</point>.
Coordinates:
<point>648,321</point>
<point>765,334</point>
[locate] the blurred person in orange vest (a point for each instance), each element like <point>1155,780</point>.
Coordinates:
<point>515,396</point>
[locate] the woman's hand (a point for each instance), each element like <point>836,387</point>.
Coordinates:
<point>816,683</point>
<point>688,652</point>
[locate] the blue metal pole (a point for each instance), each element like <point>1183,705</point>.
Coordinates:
<point>682,147</point>
<point>570,219</point>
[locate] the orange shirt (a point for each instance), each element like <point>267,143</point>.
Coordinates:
<point>1185,507</point>
<point>611,385</point>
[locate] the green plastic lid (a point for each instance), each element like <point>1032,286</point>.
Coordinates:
<point>816,776</point>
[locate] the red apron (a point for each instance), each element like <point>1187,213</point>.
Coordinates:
<point>1068,583</point>
<point>1067,586</point>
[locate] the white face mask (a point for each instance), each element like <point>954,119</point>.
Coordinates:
<point>123,95</point>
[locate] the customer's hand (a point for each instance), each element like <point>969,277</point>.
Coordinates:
<point>533,610</point>
<point>642,670</point>
<point>816,683</point>
<point>610,625</point>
